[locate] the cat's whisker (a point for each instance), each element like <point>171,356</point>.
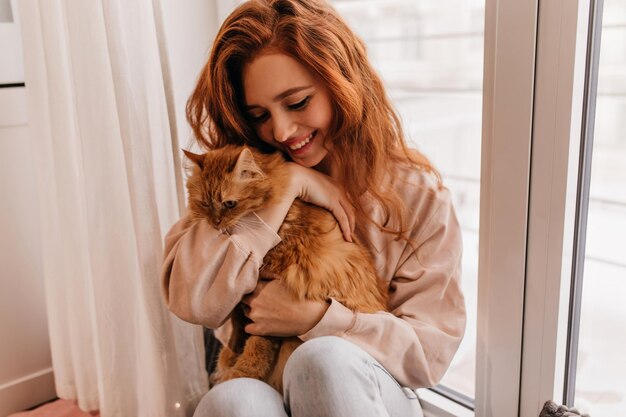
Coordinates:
<point>251,221</point>
<point>243,225</point>
<point>237,227</point>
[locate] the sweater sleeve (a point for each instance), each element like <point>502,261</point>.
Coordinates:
<point>206,272</point>
<point>417,339</point>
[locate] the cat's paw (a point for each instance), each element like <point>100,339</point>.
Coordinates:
<point>214,379</point>
<point>226,375</point>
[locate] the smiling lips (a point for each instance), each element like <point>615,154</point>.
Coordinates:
<point>298,145</point>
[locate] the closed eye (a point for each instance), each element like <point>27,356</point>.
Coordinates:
<point>261,117</point>
<point>258,118</point>
<point>300,104</point>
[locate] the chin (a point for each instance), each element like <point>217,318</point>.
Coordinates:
<point>313,160</point>
<point>308,163</point>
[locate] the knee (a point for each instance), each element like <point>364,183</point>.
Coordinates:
<point>323,358</point>
<point>219,401</point>
<point>237,397</point>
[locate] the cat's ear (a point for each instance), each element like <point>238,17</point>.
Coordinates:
<point>195,158</point>
<point>246,167</point>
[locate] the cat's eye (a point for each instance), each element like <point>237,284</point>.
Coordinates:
<point>229,204</point>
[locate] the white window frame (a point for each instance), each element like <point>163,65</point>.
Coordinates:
<point>557,133</point>
<point>508,94</point>
<point>533,93</point>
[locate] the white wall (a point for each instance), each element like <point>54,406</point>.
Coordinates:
<point>26,377</point>
<point>189,33</point>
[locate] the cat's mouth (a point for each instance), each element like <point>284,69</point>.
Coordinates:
<point>301,147</point>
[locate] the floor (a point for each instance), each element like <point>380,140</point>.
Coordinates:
<point>58,408</point>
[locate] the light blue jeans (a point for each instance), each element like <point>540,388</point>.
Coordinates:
<point>326,377</point>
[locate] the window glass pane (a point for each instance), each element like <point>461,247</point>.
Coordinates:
<point>6,15</point>
<point>430,55</point>
<point>601,365</point>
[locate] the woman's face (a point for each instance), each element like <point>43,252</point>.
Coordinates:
<point>288,107</point>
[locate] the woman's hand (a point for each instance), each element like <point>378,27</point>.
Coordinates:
<point>275,312</point>
<point>317,188</point>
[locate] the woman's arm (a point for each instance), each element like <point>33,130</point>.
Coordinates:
<point>206,272</point>
<point>417,339</point>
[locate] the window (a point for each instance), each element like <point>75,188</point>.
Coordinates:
<point>430,56</point>
<point>598,371</point>
<point>563,97</point>
<point>12,68</point>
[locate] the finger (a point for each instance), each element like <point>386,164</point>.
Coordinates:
<point>246,310</point>
<point>252,329</point>
<point>349,209</point>
<point>344,223</point>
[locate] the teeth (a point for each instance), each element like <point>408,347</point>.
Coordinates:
<point>301,144</point>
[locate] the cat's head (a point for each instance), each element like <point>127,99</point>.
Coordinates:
<point>230,182</point>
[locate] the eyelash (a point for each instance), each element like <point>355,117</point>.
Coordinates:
<point>300,105</point>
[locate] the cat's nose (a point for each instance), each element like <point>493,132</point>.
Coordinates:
<point>218,221</point>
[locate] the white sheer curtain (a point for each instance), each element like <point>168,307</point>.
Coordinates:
<point>103,146</point>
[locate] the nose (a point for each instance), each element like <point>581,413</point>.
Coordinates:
<point>283,128</point>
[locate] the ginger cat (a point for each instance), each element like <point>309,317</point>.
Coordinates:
<point>312,258</point>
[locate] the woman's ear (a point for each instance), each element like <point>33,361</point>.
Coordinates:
<point>195,158</point>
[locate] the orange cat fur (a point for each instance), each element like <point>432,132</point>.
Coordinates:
<point>312,258</point>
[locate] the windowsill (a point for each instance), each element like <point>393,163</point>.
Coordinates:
<point>435,405</point>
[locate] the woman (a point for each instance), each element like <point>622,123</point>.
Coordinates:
<point>290,75</point>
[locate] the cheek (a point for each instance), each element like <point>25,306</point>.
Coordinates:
<point>321,115</point>
<point>265,133</point>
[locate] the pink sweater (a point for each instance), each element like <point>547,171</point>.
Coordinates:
<point>206,273</point>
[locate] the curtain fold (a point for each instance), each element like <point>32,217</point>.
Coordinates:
<point>108,189</point>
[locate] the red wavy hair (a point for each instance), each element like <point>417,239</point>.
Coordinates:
<point>366,130</point>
